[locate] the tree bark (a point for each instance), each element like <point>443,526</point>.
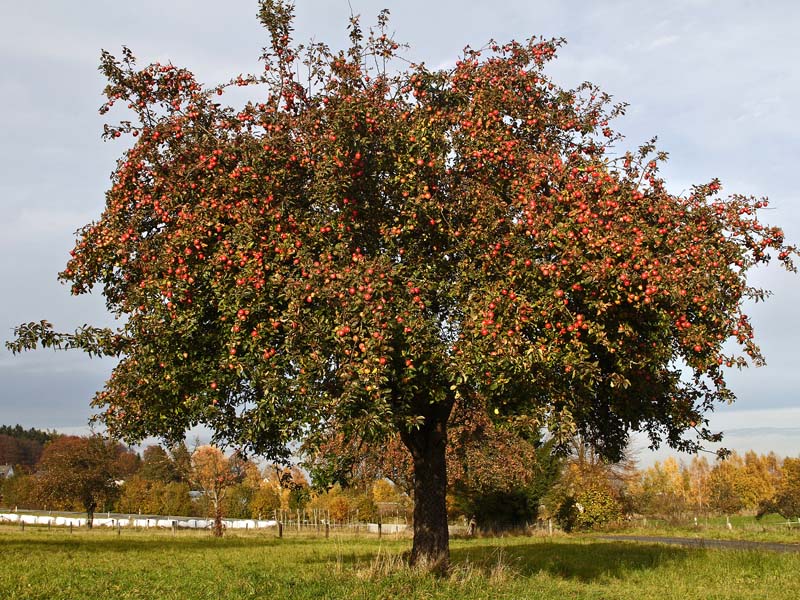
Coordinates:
<point>427,444</point>
<point>90,514</point>
<point>217,519</point>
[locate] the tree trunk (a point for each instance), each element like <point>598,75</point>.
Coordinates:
<point>90,514</point>
<point>218,519</point>
<point>431,547</point>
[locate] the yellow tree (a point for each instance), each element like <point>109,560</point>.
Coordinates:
<point>761,478</point>
<point>699,471</point>
<point>739,484</point>
<point>663,489</point>
<point>265,501</point>
<point>786,501</point>
<point>214,473</point>
<point>592,490</point>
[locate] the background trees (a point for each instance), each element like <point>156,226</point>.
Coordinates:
<point>215,475</point>
<point>503,488</point>
<point>19,491</point>
<point>80,472</point>
<point>157,465</point>
<point>663,490</point>
<point>372,249</point>
<point>22,448</point>
<point>786,500</point>
<point>497,475</point>
<point>590,491</point>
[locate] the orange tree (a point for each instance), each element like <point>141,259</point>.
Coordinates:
<point>81,472</point>
<point>369,243</point>
<point>215,474</point>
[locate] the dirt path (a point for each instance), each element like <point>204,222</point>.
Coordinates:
<point>705,543</point>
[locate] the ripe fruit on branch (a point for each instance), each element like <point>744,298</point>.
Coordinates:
<point>470,217</point>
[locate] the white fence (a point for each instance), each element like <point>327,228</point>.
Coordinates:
<point>132,521</point>
<point>386,527</point>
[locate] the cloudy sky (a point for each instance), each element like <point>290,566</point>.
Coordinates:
<point>716,80</point>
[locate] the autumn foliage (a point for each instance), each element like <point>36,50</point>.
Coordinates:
<point>367,242</point>
<point>82,473</point>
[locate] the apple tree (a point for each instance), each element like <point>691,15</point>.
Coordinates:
<point>368,241</point>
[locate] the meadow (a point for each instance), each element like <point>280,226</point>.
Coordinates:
<point>770,528</point>
<point>38,563</point>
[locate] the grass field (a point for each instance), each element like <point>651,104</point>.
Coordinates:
<point>42,564</point>
<point>771,528</point>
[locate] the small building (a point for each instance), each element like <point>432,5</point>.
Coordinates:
<point>6,471</point>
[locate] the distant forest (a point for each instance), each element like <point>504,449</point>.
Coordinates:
<point>22,447</point>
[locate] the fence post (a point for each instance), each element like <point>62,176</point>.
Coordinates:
<point>327,530</point>
<point>280,529</point>
<point>22,525</point>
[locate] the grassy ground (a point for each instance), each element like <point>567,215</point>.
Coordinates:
<point>52,565</point>
<point>771,528</point>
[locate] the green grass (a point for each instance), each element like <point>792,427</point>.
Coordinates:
<point>53,565</point>
<point>771,528</point>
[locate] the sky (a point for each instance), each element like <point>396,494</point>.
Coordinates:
<point>716,80</point>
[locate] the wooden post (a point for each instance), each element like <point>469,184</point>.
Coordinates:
<point>380,527</point>
<point>70,526</point>
<point>327,530</point>
<point>21,525</point>
<point>280,529</point>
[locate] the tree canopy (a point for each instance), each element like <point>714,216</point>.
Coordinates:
<point>22,447</point>
<point>365,243</point>
<point>81,472</point>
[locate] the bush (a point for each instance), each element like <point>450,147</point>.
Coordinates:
<point>589,509</point>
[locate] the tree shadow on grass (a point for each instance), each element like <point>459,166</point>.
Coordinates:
<point>570,558</point>
<point>573,559</point>
<point>585,562</point>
